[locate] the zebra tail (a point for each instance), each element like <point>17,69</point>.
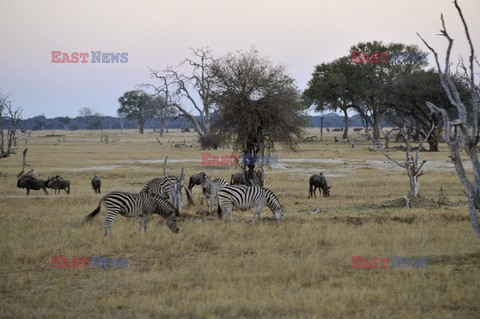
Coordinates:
<point>219,209</point>
<point>89,217</point>
<point>189,196</point>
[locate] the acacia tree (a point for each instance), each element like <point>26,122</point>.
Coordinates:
<point>194,89</point>
<point>258,105</point>
<point>331,87</point>
<point>374,81</point>
<point>136,105</point>
<point>14,116</point>
<point>410,91</point>
<point>461,129</point>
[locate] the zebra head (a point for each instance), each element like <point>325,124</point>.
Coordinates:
<point>278,213</point>
<point>274,204</point>
<point>176,186</point>
<point>169,212</point>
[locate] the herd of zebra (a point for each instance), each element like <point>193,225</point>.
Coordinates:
<point>163,196</point>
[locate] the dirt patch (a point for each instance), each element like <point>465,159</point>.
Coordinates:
<point>415,202</point>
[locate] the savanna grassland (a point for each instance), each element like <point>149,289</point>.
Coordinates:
<point>298,268</point>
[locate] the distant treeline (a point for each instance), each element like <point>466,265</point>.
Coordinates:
<point>110,123</point>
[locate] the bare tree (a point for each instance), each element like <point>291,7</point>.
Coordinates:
<point>460,131</point>
<point>411,164</point>
<point>14,116</point>
<point>195,89</point>
<point>85,111</point>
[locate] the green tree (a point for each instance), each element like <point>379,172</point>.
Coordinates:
<point>374,81</point>
<point>136,105</point>
<point>332,87</point>
<point>258,105</point>
<point>410,91</point>
<point>65,120</point>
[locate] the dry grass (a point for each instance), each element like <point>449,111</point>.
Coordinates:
<point>299,268</point>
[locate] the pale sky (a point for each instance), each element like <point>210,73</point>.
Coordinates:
<point>299,34</point>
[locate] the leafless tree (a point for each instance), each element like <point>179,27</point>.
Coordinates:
<point>412,163</point>
<point>460,131</point>
<point>195,89</point>
<point>8,144</point>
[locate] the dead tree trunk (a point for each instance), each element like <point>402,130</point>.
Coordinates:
<point>459,133</point>
<point>412,164</point>
<point>15,117</point>
<point>25,157</point>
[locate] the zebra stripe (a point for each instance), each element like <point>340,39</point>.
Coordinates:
<point>246,197</point>
<point>210,190</point>
<point>163,187</point>
<point>135,204</point>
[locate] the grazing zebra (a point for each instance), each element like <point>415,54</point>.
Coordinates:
<point>135,204</point>
<point>163,187</point>
<point>210,190</point>
<point>245,197</point>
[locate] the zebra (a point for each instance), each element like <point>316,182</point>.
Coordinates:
<point>166,188</point>
<point>210,190</point>
<point>245,197</point>
<point>135,204</point>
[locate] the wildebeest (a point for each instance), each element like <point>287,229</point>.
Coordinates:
<point>96,183</point>
<point>28,181</point>
<point>319,181</point>
<point>58,183</point>
<point>237,179</point>
<point>196,179</point>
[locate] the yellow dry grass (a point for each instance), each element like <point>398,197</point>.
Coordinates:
<point>299,268</point>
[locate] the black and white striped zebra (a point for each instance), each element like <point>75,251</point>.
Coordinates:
<point>135,204</point>
<point>167,188</point>
<point>246,197</point>
<point>210,190</point>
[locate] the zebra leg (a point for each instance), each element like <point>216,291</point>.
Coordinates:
<point>146,218</point>
<point>228,211</point>
<point>256,212</point>
<point>209,203</point>
<point>108,223</point>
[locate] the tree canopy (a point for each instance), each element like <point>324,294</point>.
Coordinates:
<point>258,105</point>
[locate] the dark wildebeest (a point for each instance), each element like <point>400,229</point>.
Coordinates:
<point>96,183</point>
<point>30,182</point>
<point>319,181</point>
<point>58,183</point>
<point>196,179</point>
<point>237,179</point>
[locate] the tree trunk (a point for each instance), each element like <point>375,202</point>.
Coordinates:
<point>414,186</point>
<point>473,212</point>
<point>377,126</point>
<point>433,144</point>
<point>141,124</point>
<point>321,127</point>
<point>162,125</point>
<point>2,143</point>
<point>345,125</point>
